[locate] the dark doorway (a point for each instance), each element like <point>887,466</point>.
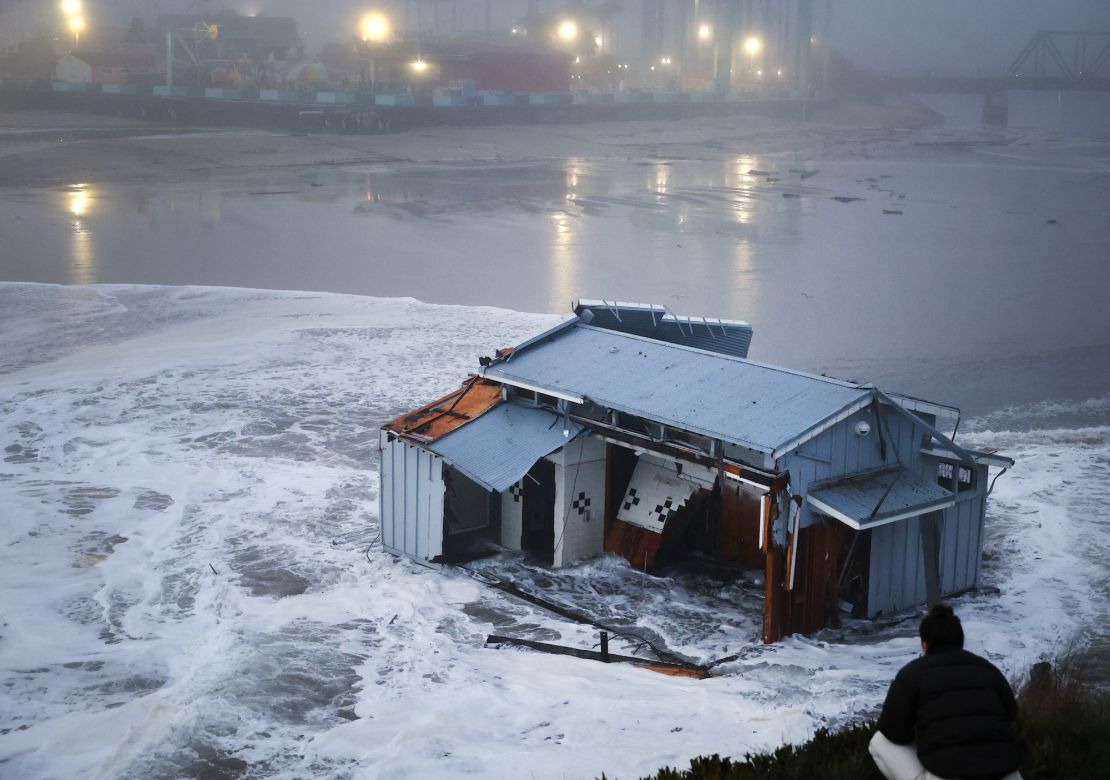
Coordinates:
<point>854,569</point>
<point>538,533</point>
<point>471,517</point>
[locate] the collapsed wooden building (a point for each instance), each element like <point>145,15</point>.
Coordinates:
<point>627,429</point>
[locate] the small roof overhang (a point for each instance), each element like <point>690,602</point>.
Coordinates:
<point>876,498</point>
<point>982,457</point>
<point>497,449</point>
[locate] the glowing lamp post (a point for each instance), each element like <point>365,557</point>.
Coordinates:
<point>375,28</point>
<point>705,33</point>
<point>74,20</point>
<point>568,31</point>
<point>753,46</point>
<point>76,25</point>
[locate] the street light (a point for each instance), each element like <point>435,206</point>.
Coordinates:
<point>375,28</point>
<point>71,7</point>
<point>705,32</point>
<point>568,30</point>
<point>753,46</point>
<point>76,25</point>
<point>419,66</point>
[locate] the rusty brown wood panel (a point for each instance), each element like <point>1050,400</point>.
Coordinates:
<point>814,601</point>
<point>636,545</point>
<point>739,540</point>
<point>776,606</point>
<point>445,414</point>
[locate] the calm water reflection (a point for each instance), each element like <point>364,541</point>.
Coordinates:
<point>910,271</point>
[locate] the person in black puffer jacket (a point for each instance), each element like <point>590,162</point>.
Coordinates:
<point>948,713</point>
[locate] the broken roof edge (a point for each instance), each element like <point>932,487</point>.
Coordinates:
<point>408,424</point>
<point>664,311</point>
<point>568,320</point>
<point>497,448</point>
<point>982,457</point>
<point>961,452</point>
<point>915,404</point>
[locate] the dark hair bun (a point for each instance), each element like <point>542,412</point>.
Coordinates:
<point>941,611</point>
<point>941,629</point>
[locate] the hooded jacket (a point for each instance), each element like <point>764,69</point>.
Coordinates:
<point>957,708</point>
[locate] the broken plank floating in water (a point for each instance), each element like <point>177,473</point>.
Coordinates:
<point>674,670</point>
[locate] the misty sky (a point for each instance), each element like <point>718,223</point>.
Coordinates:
<point>946,36</point>
<point>953,36</point>
<point>896,36</point>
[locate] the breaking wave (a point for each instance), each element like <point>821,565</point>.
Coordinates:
<point>190,584</point>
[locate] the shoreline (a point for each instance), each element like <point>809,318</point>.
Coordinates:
<point>41,149</point>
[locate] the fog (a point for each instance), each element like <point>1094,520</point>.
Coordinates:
<point>900,37</point>
<point>948,37</point>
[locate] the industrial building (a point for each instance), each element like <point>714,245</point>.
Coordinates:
<point>135,66</point>
<point>420,66</point>
<point>627,429</point>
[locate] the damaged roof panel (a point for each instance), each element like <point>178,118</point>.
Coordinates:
<point>728,337</point>
<point>445,414</point>
<point>502,445</point>
<point>715,395</point>
<point>872,500</point>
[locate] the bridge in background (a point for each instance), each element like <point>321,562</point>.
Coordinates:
<point>1078,57</point>
<point>1052,60</point>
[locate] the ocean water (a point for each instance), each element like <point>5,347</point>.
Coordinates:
<point>191,584</point>
<point>961,264</point>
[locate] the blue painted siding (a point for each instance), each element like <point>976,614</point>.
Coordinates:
<point>897,575</point>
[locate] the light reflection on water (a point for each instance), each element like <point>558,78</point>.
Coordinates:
<point>1011,253</point>
<point>565,277</point>
<point>83,253</point>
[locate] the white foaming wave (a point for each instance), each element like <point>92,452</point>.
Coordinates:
<point>1048,537</point>
<point>184,572</point>
<point>1042,414</point>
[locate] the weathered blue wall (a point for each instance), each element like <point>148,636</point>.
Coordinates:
<point>897,575</point>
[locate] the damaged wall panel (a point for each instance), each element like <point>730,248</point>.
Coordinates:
<point>410,499</point>
<point>739,525</point>
<point>812,603</point>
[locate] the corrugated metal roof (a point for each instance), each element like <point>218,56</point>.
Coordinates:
<point>883,498</point>
<point>723,397</point>
<point>728,337</point>
<point>497,449</point>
